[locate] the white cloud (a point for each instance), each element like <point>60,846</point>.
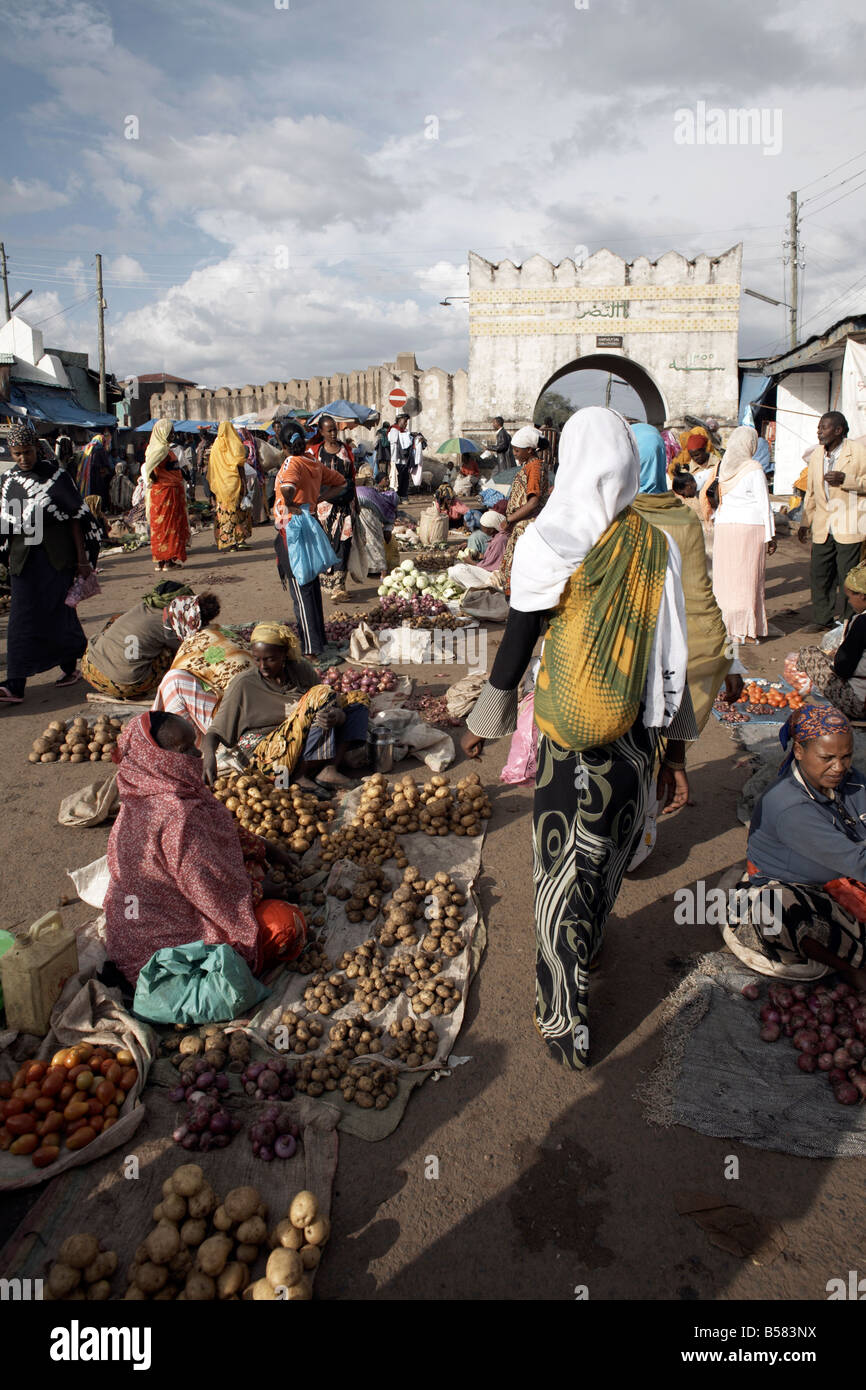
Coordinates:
<point>125,268</point>
<point>23,196</point>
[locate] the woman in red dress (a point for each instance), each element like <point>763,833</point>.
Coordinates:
<point>165,499</point>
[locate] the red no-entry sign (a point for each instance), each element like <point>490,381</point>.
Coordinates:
<point>397,397</point>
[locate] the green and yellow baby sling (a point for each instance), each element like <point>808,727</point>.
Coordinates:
<point>597,650</point>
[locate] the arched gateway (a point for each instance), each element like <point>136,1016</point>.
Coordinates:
<point>667,327</point>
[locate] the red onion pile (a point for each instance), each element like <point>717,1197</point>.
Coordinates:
<point>433,709</point>
<point>274,1135</point>
<point>371,681</point>
<point>271,1080</point>
<point>826,1026</point>
<point>208,1125</point>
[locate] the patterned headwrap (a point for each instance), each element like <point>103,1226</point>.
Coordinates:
<point>812,721</point>
<point>856,579</point>
<point>277,635</point>
<point>21,434</point>
<point>183,616</point>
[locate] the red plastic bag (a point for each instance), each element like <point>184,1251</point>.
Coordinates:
<point>284,931</point>
<point>520,764</point>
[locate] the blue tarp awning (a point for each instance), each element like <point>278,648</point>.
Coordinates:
<point>180,426</point>
<point>753,388</point>
<point>344,410</point>
<point>56,407</point>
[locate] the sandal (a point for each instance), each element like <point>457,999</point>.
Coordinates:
<point>72,679</point>
<point>7,698</point>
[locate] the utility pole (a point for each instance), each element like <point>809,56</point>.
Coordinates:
<point>100,309</point>
<point>794,246</point>
<point>5,280</point>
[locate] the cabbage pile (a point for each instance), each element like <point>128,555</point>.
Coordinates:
<point>406,580</point>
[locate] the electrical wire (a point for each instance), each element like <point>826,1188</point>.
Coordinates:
<point>838,200</point>
<point>821,177</point>
<point>92,295</point>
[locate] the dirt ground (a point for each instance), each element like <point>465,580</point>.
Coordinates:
<point>546,1180</point>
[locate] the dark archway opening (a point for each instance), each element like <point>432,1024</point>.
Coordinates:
<point>601,377</point>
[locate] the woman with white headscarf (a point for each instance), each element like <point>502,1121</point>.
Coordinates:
<point>165,499</point>
<point>744,536</point>
<point>610,690</point>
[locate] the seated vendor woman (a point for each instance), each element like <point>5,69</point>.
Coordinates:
<point>290,725</point>
<point>132,653</point>
<point>807,859</point>
<point>841,676</point>
<point>181,867</point>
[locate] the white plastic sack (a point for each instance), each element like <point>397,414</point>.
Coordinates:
<point>832,640</point>
<point>91,881</point>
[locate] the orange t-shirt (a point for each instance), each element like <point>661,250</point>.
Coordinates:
<point>309,477</point>
<point>533,477</point>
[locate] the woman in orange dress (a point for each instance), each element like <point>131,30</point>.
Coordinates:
<point>165,500</point>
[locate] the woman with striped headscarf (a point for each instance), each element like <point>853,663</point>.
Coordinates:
<point>293,727</point>
<point>803,909</point>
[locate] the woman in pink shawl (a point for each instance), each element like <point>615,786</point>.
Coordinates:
<point>175,855</point>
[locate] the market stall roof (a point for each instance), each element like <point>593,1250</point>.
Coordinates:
<point>56,406</point>
<point>813,352</point>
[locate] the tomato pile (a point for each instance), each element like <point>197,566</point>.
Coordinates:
<point>69,1100</point>
<point>766,699</point>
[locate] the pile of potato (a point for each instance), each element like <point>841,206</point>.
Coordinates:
<point>292,815</point>
<point>297,1034</point>
<point>221,1050</point>
<point>437,901</point>
<point>368,845</point>
<point>434,807</point>
<point>202,1249</point>
<point>326,994</point>
<point>296,1249</point>
<point>413,1040</point>
<point>311,961</point>
<point>81,1271</point>
<point>77,741</point>
<point>364,901</point>
<point>439,997</point>
<point>369,1087</point>
<point>354,1037</point>
<point>376,984</point>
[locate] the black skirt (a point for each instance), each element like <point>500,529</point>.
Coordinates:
<point>44,631</point>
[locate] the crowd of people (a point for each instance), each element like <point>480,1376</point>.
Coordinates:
<point>602,547</point>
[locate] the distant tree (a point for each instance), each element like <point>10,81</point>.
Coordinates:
<point>553,406</point>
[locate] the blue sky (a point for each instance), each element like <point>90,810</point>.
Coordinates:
<point>284,212</point>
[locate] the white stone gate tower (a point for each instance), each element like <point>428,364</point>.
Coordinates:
<point>667,327</point>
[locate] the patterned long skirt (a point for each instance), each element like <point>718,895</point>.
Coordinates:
<point>132,690</point>
<point>169,522</point>
<point>772,920</point>
<point>818,666</point>
<point>588,815</point>
<point>231,526</point>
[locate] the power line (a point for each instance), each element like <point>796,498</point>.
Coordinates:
<point>844,195</point>
<point>832,188</point>
<point>92,295</point>
<point>821,178</point>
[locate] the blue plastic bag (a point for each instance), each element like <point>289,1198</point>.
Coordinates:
<point>472,520</point>
<point>309,551</point>
<point>196,984</point>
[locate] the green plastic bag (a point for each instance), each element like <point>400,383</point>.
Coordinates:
<point>196,984</point>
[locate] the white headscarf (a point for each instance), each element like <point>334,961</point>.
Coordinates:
<point>525,438</point>
<point>598,476</point>
<point>494,519</point>
<point>738,458</point>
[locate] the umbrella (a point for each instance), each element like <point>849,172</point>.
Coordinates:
<point>348,411</point>
<point>458,445</point>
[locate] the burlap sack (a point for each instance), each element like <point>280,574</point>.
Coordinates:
<point>487,604</point>
<point>93,804</point>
